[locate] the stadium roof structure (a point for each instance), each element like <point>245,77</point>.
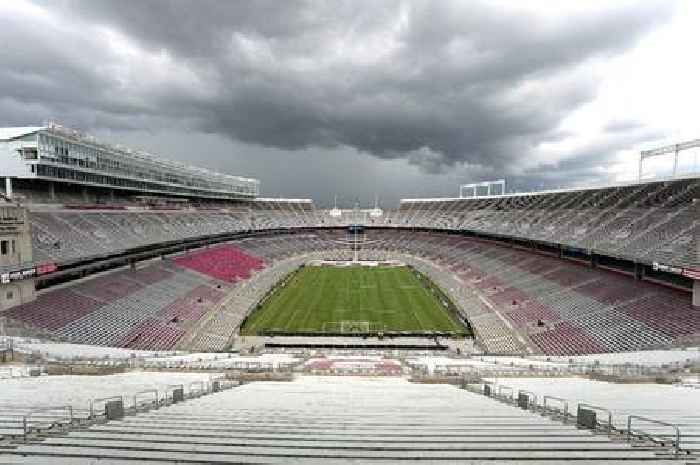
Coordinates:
<point>13,133</point>
<point>56,153</point>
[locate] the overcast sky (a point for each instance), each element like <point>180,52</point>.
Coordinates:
<point>363,98</point>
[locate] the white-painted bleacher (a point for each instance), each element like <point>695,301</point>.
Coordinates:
<point>77,391</point>
<point>222,361</point>
<point>57,351</point>
<point>643,358</point>
<point>655,401</point>
<point>336,420</point>
<point>46,401</point>
<point>482,365</point>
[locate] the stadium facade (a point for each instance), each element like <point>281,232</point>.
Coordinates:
<point>17,270</point>
<point>43,158</point>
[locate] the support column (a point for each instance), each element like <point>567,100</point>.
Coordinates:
<point>696,293</point>
<point>52,190</point>
<point>8,187</point>
<point>85,194</point>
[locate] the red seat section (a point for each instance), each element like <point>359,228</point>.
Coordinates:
<point>565,339</point>
<point>54,310</point>
<point>152,334</point>
<point>225,262</point>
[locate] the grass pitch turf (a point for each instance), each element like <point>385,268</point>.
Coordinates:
<point>352,299</point>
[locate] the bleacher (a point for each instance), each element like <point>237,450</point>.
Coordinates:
<point>66,235</point>
<point>516,300</point>
<point>560,307</point>
<point>54,403</point>
<point>150,308</point>
<point>651,221</point>
<point>647,222</point>
<point>338,420</point>
<point>670,404</point>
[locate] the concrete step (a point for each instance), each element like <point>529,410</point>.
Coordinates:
<point>157,434</point>
<point>358,435</point>
<point>86,438</point>
<point>74,460</point>
<point>219,454</point>
<point>391,430</point>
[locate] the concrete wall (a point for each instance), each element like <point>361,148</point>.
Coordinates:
<point>16,241</point>
<point>16,293</point>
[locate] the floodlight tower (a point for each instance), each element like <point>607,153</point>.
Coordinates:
<point>491,188</point>
<point>674,149</point>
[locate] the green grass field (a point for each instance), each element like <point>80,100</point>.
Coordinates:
<point>356,299</point>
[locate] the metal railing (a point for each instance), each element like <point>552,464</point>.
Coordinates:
<point>630,432</point>
<point>102,400</point>
<point>202,389</point>
<point>26,412</point>
<point>27,416</point>
<point>505,388</point>
<point>564,403</point>
<point>170,388</point>
<point>14,419</point>
<point>564,412</point>
<point>141,393</point>
<point>599,409</point>
<point>532,398</point>
<point>22,415</point>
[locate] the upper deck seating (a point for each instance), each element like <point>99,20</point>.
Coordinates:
<point>653,221</point>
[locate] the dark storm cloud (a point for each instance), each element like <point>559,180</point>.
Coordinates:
<point>461,82</point>
<point>438,84</point>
